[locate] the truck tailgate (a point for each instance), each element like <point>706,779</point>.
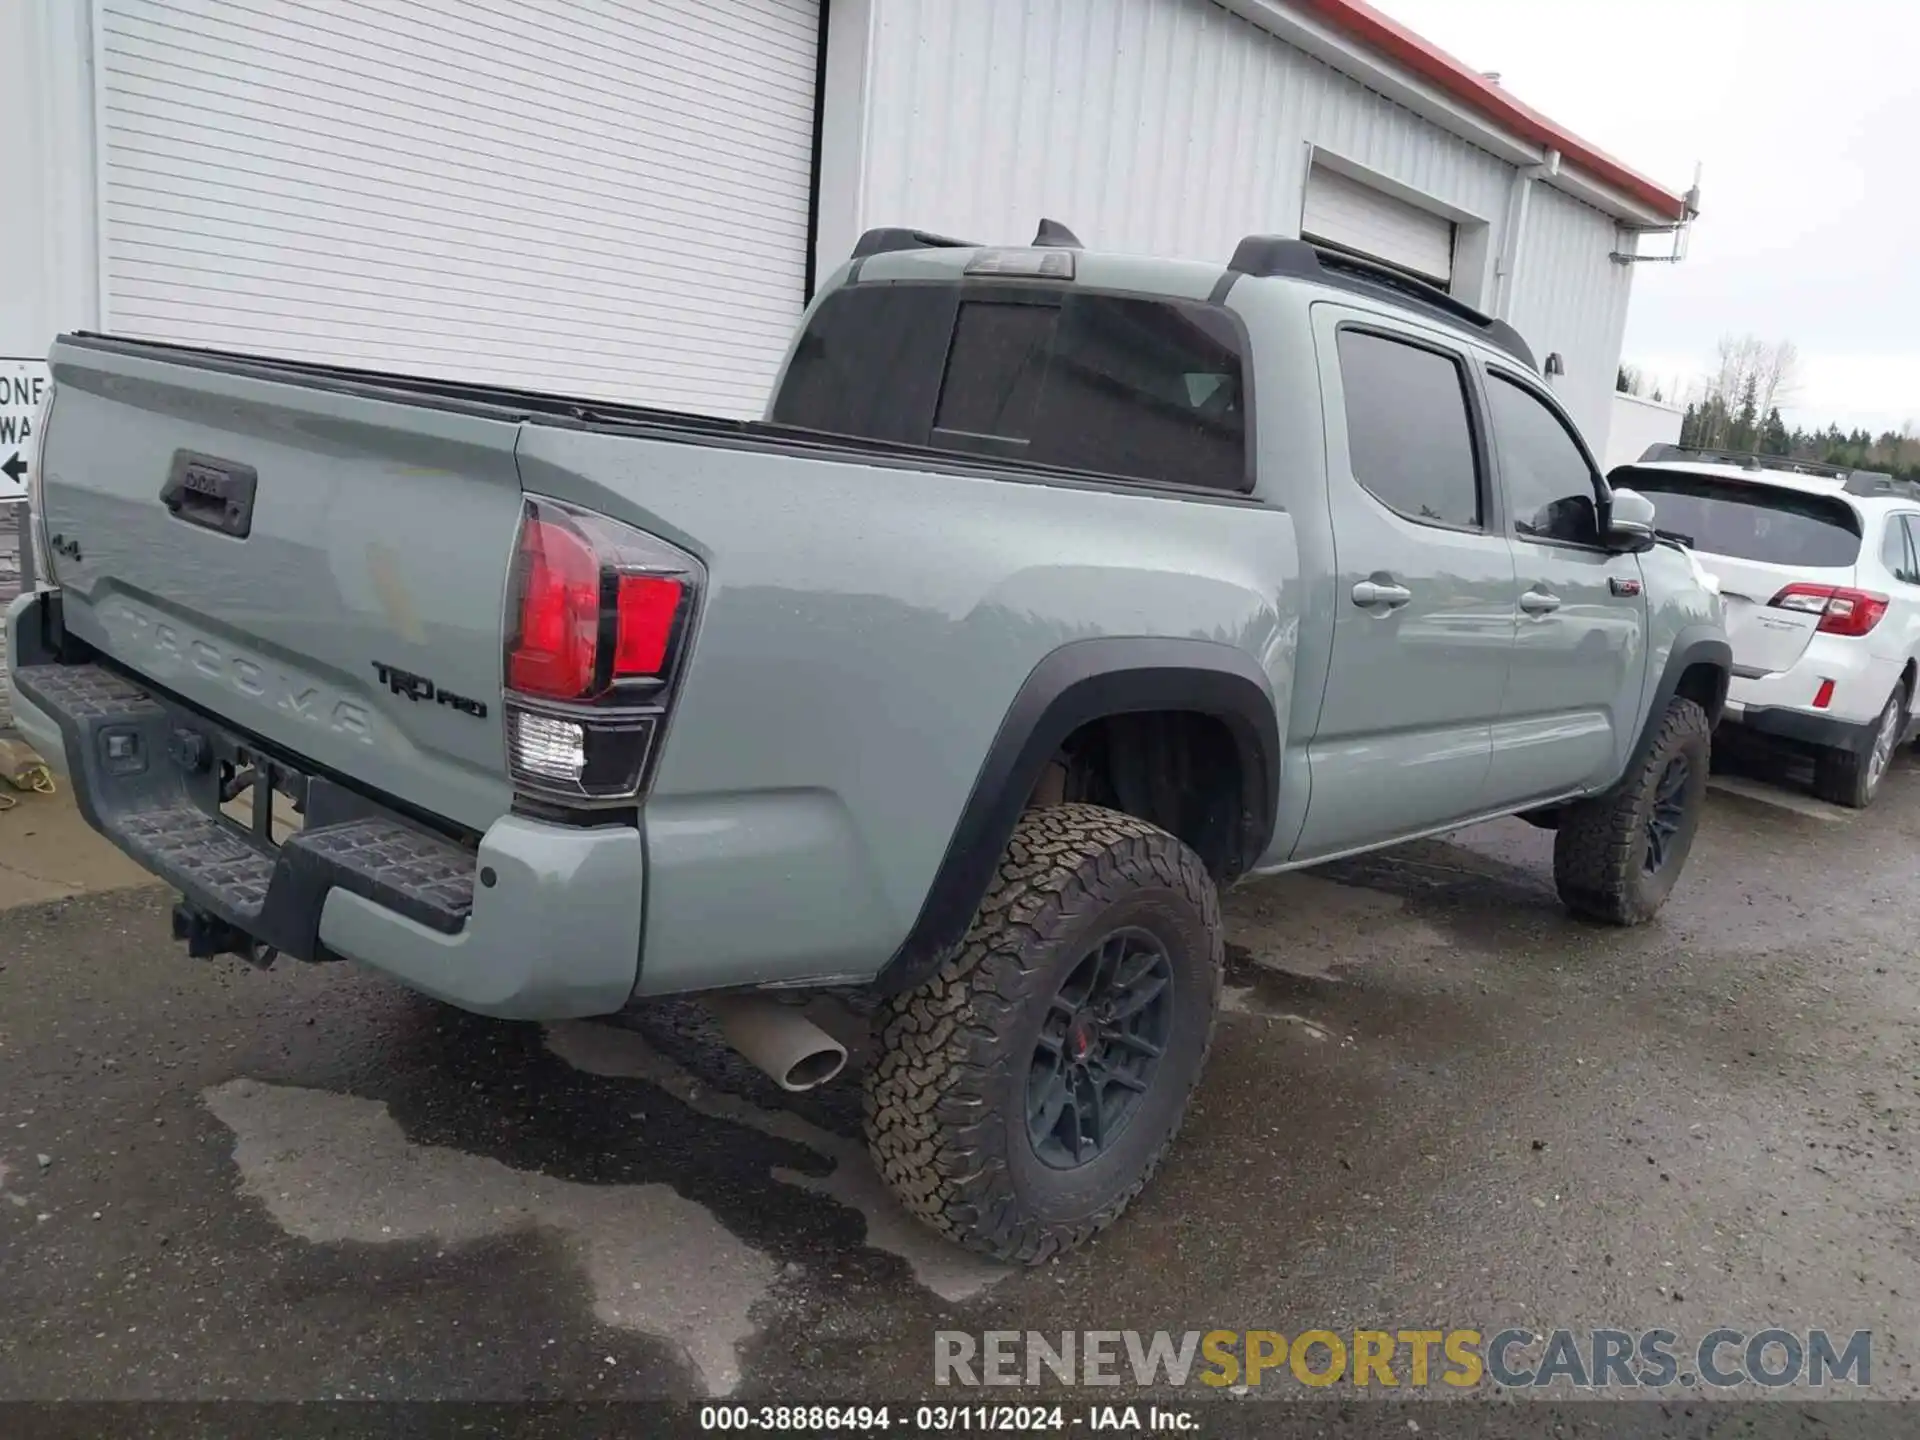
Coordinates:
<point>317,565</point>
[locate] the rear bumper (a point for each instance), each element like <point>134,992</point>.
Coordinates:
<point>1801,727</point>
<point>1861,683</point>
<point>1780,705</point>
<point>496,927</point>
<point>36,727</point>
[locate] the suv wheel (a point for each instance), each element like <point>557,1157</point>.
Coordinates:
<point>1616,857</point>
<point>1024,1094</point>
<point>1852,777</point>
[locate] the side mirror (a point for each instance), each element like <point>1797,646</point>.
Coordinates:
<point>1627,523</point>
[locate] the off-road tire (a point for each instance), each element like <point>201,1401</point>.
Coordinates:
<point>946,1090</point>
<point>1600,849</point>
<point>1845,777</point>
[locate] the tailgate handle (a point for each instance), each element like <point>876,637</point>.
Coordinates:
<point>207,491</point>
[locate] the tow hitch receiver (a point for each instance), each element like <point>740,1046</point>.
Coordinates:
<point>207,935</point>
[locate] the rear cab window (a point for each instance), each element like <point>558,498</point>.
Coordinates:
<point>1137,388</point>
<point>1767,524</point>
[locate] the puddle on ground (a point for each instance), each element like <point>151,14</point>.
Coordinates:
<point>332,1168</point>
<point>944,1268</point>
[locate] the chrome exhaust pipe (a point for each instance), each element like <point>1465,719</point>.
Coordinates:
<point>782,1043</point>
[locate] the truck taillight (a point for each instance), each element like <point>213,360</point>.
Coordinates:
<point>647,607</point>
<point>598,613</point>
<point>553,653</point>
<point>1842,611</point>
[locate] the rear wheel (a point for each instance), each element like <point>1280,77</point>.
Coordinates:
<point>1024,1093</point>
<point>1617,856</point>
<point>1852,777</point>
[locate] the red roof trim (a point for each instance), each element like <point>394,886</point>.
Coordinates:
<point>1470,88</point>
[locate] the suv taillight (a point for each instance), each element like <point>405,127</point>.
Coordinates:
<point>598,613</point>
<point>1842,611</point>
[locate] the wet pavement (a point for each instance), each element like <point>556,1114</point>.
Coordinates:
<point>1434,1102</point>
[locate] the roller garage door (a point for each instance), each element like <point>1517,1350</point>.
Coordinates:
<point>1354,216</point>
<point>594,196</point>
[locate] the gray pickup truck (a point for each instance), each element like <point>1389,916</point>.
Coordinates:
<point>1056,591</point>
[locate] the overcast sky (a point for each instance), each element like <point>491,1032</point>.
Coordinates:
<point>1806,117</point>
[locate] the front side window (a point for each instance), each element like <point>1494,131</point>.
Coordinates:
<point>1119,385</point>
<point>1548,481</point>
<point>1409,438</point>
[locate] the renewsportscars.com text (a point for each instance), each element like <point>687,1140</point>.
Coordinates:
<point>1601,1359</point>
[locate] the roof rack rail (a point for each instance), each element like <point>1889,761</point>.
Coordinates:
<point>1268,256</point>
<point>895,237</point>
<point>1745,459</point>
<point>1854,482</point>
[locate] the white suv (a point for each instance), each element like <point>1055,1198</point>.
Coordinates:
<point>1820,572</point>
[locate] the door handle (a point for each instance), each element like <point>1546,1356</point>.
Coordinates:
<point>1539,602</point>
<point>1372,592</point>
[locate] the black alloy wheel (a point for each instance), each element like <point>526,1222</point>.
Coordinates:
<point>1668,814</point>
<point>1099,1048</point>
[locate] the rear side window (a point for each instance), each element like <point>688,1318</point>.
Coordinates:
<point>1767,523</point>
<point>1408,434</point>
<point>1119,385</point>
<point>1893,550</point>
<point>1901,552</point>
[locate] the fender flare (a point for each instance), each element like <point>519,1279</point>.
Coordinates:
<point>1082,681</point>
<point>1694,645</point>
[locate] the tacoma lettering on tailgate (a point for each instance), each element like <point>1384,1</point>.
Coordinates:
<point>162,648</point>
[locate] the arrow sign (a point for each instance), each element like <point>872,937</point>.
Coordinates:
<point>23,390</point>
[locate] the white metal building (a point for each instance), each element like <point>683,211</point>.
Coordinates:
<point>631,198</point>
<point>1635,424</point>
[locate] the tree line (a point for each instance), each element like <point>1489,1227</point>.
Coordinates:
<point>1737,408</point>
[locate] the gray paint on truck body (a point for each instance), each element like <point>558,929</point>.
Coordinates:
<point>861,640</point>
<point>870,617</point>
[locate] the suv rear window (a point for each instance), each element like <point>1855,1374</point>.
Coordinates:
<point>1767,523</point>
<point>1120,385</point>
